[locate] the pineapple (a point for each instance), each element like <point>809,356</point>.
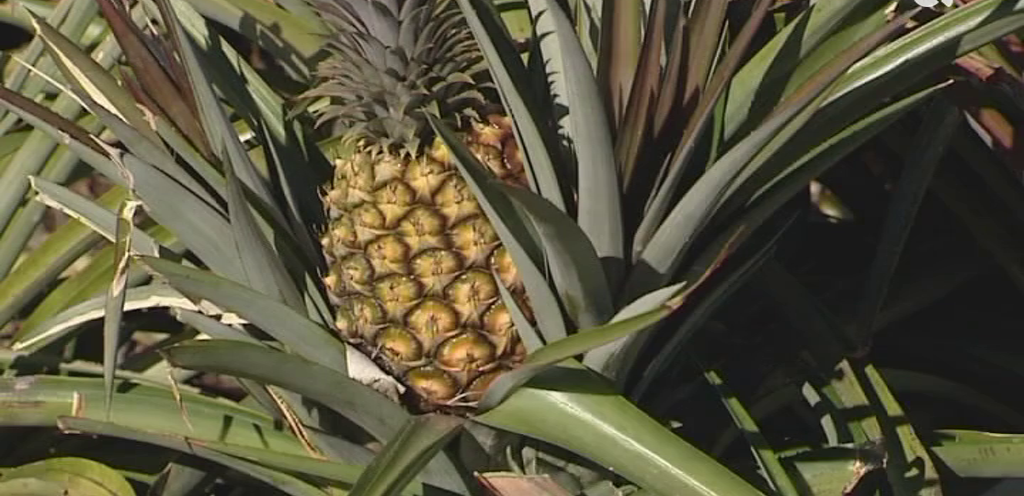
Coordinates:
<point>411,255</point>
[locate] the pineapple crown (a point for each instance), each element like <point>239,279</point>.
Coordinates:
<point>389,61</point>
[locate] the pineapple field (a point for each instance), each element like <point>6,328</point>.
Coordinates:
<point>511,247</point>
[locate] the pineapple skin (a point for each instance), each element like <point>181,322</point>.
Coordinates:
<point>411,256</point>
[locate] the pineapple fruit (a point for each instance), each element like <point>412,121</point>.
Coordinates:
<point>411,255</point>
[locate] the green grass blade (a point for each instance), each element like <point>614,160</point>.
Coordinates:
<point>406,454</point>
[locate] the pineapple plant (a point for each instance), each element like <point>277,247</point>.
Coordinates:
<point>415,267</point>
<point>414,262</point>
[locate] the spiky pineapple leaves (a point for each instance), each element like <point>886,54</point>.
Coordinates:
<point>371,411</point>
<point>587,127</point>
<point>608,429</point>
<point>275,469</point>
<point>768,460</point>
<point>405,454</point>
<point>38,401</point>
<point>292,329</point>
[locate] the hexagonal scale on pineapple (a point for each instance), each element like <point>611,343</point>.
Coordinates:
<point>471,294</point>
<point>436,268</point>
<point>432,320</point>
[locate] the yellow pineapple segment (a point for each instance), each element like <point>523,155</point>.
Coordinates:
<point>412,258</point>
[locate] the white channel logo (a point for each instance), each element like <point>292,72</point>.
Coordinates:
<point>932,3</point>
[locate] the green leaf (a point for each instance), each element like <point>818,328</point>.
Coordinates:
<point>575,265</point>
<point>587,128</point>
<point>61,324</point>
<point>96,216</point>
<point>583,414</point>
<point>287,326</point>
<point>406,454</point>
<point>95,80</point>
<point>588,339</point>
<point>563,349</point>
<point>704,101</point>
<point>696,316</point>
<point>622,26</point>
<point>263,269</point>
<point>360,404</point>
<point>113,309</point>
<point>290,38</point>
<point>75,476</point>
<point>834,470</point>
<point>283,481</point>
<point>151,74</point>
<point>44,264</point>
<point>810,40</point>
<point>766,457</point>
<point>633,116</point>
<point>365,407</point>
<point>939,124</point>
<point>90,281</point>
<point>38,401</point>
<point>981,454</point>
<point>671,240</point>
